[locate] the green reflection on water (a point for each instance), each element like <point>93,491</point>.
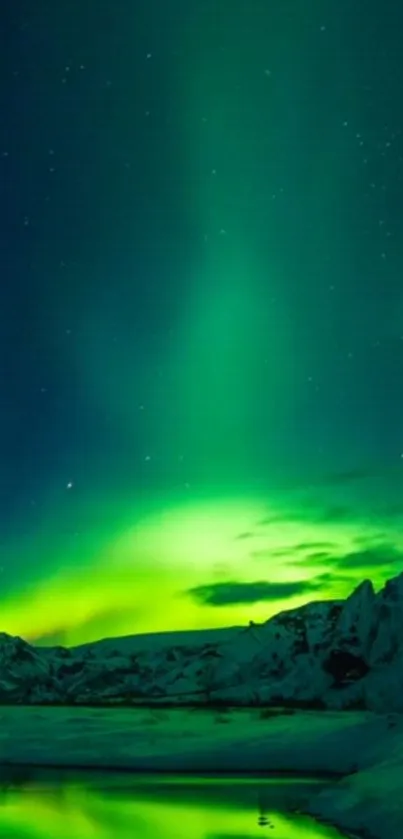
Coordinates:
<point>118,807</point>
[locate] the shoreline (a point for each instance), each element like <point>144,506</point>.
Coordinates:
<point>361,753</point>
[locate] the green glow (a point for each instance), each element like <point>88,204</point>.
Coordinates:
<point>176,486</point>
<point>138,581</point>
<point>233,339</point>
<point>77,810</point>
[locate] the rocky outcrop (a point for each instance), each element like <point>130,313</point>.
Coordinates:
<point>333,654</point>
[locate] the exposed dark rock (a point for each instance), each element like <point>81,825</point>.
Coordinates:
<point>345,667</point>
<point>332,654</point>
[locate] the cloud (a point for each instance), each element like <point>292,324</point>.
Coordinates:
<point>269,553</point>
<point>292,551</point>
<point>233,593</point>
<point>374,557</point>
<point>372,554</point>
<point>330,578</point>
<point>309,553</point>
<point>318,557</point>
<point>314,545</point>
<point>313,558</point>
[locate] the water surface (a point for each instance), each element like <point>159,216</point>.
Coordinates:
<point>66,805</point>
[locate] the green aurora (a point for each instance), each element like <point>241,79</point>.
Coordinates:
<point>230,445</point>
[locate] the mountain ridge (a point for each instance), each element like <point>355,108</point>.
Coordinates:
<point>326,654</point>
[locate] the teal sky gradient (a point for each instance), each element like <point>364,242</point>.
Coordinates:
<point>202,314</point>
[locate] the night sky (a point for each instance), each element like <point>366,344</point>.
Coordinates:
<point>201,310</point>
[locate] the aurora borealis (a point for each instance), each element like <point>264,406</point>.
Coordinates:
<point>201,311</point>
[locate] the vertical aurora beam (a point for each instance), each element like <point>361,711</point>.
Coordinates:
<point>266,194</point>
<point>233,334</point>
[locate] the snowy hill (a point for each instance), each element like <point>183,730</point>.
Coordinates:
<point>333,654</point>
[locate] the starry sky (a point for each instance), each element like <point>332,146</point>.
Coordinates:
<point>201,310</point>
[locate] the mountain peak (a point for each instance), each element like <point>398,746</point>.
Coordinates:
<point>330,654</point>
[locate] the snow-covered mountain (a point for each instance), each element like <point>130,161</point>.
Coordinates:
<point>332,654</point>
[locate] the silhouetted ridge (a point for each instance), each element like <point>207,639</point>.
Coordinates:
<point>331,654</point>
